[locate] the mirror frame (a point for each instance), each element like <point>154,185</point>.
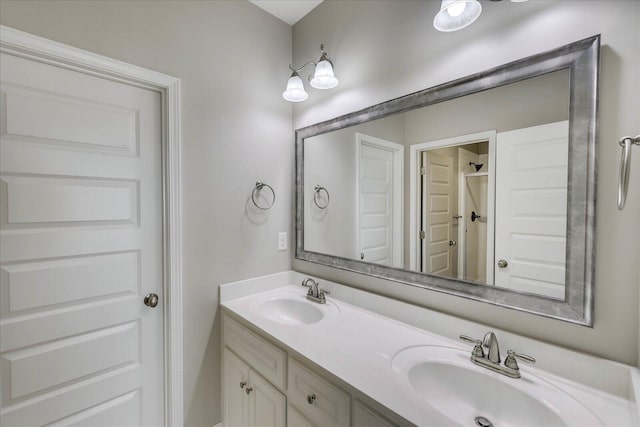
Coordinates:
<point>582,60</point>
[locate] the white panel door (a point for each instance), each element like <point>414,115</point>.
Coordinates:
<point>80,247</point>
<point>531,208</point>
<point>380,200</point>
<point>437,213</point>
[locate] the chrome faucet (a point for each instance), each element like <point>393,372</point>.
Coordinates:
<point>315,293</point>
<point>490,341</point>
<point>492,358</point>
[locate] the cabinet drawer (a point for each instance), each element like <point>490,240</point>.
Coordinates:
<point>364,416</point>
<point>295,419</point>
<point>330,407</point>
<point>263,356</point>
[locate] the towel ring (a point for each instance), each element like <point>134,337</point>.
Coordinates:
<point>318,189</point>
<point>625,162</point>
<point>259,186</point>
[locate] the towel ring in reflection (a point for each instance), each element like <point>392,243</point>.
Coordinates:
<point>259,186</point>
<point>317,191</point>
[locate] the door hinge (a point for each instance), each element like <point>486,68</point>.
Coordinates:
<point>423,170</point>
<point>423,234</point>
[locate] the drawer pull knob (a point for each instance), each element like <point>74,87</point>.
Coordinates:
<point>249,390</point>
<point>242,384</point>
<point>311,398</point>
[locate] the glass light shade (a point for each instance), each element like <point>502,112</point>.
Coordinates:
<point>295,89</point>
<point>454,15</point>
<point>323,77</point>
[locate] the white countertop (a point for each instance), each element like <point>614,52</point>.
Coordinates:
<point>358,347</point>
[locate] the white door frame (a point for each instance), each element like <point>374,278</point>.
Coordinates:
<point>25,45</point>
<point>414,188</point>
<point>398,193</point>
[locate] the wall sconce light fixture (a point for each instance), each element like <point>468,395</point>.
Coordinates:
<point>323,78</point>
<point>455,15</point>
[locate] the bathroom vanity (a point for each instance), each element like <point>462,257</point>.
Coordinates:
<point>351,362</point>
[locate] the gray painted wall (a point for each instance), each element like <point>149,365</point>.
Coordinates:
<point>232,58</point>
<point>385,49</point>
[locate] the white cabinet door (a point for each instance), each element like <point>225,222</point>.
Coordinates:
<point>81,245</point>
<point>248,399</point>
<point>260,354</point>
<point>235,380</point>
<point>267,406</point>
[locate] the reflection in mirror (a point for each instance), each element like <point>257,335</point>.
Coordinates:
<point>453,211</point>
<point>489,207</point>
<point>482,187</point>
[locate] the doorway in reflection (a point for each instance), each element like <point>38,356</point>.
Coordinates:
<point>454,183</point>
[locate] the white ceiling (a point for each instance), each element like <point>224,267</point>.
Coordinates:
<point>290,11</point>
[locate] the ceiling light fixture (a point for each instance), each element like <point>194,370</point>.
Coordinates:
<point>454,15</point>
<point>323,78</point>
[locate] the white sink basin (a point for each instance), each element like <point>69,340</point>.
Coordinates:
<point>295,309</point>
<point>445,379</point>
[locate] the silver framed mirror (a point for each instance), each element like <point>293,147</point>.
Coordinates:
<point>579,62</point>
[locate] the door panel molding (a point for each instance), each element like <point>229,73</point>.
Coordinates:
<point>29,46</point>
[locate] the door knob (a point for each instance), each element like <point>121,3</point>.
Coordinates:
<point>151,300</point>
<point>452,243</point>
<point>361,255</point>
<point>502,263</point>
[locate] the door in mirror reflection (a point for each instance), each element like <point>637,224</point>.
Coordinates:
<point>379,165</point>
<point>531,209</point>
<point>454,205</point>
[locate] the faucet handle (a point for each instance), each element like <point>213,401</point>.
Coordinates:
<point>477,349</point>
<point>321,295</point>
<point>511,362</point>
<point>470,340</point>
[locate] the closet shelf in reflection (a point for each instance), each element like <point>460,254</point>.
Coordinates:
<point>477,174</point>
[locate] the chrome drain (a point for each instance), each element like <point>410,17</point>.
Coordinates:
<point>483,422</point>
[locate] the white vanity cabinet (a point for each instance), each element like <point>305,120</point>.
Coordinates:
<point>254,372</point>
<point>250,399</point>
<point>296,419</point>
<point>264,386</point>
<point>364,416</point>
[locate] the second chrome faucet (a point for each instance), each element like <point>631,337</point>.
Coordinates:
<point>315,293</point>
<point>491,360</point>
